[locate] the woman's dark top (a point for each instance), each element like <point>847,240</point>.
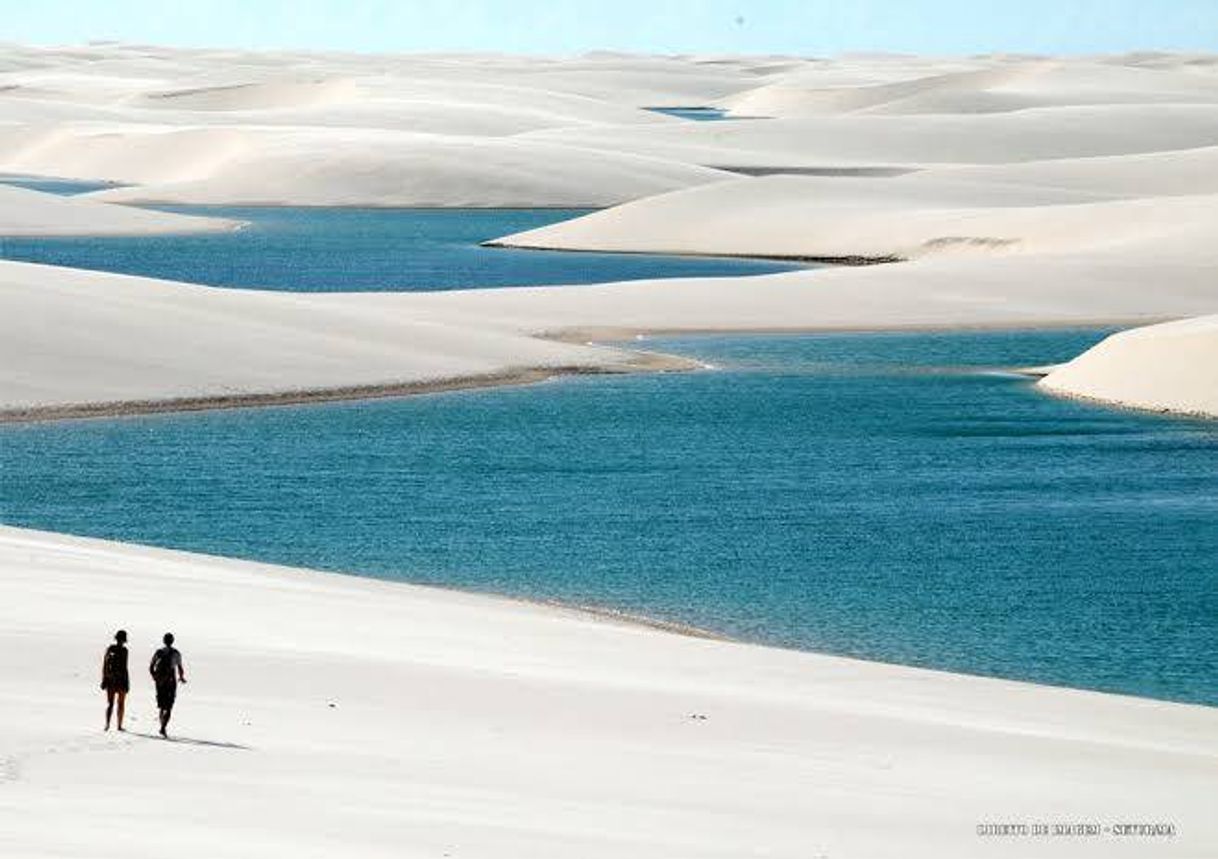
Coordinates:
<point>114,669</point>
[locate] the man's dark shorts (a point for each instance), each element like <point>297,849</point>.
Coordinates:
<point>166,693</point>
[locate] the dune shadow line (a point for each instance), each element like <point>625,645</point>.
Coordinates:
<point>213,744</point>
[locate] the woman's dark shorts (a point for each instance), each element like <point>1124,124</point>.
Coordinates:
<point>117,683</point>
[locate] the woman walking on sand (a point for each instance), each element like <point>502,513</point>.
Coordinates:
<point>115,679</point>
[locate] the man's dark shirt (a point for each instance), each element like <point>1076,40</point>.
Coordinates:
<point>165,665</point>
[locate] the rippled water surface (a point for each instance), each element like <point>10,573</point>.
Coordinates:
<point>356,250</point>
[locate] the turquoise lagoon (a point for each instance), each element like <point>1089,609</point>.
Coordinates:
<point>900,497</point>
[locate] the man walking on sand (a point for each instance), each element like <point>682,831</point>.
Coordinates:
<point>166,669</point>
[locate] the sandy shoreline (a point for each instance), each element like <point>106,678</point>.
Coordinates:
<point>1173,411</point>
<point>826,260</point>
<point>639,362</point>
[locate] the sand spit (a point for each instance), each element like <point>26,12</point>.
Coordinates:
<point>402,720</point>
<point>634,362</point>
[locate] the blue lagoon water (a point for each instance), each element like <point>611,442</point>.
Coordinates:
<point>893,496</point>
<point>899,497</point>
<point>51,185</point>
<point>353,250</point>
<point>697,114</point>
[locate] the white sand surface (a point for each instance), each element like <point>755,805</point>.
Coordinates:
<point>24,212</point>
<point>1072,131</point>
<point>998,86</point>
<point>1188,171</point>
<point>327,715</point>
<point>342,168</point>
<point>1168,367</point>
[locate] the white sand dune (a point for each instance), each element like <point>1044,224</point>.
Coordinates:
<point>120,153</point>
<point>995,87</point>
<point>225,165</point>
<point>336,169</point>
<point>273,95</point>
<point>171,118</point>
<point>907,217</point>
<point>1149,174</point>
<point>919,140</point>
<point>1168,367</point>
<point>24,212</point>
<point>350,130</point>
<point>431,102</point>
<point>326,713</point>
<point>73,337</point>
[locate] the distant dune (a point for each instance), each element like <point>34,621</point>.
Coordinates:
<point>1017,191</point>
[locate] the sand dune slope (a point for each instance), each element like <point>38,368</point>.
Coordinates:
<point>994,87</point>
<point>226,165</point>
<point>327,714</point>
<point>1189,171</point>
<point>84,337</point>
<point>957,138</point>
<point>121,152</point>
<point>906,217</point>
<point>335,169</point>
<point>1168,367</point>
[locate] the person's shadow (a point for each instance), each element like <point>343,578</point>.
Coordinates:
<point>211,744</point>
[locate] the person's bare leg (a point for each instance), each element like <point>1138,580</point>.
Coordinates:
<point>164,723</point>
<point>122,708</point>
<point>110,707</point>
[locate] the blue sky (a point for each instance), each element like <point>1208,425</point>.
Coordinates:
<point>566,26</point>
